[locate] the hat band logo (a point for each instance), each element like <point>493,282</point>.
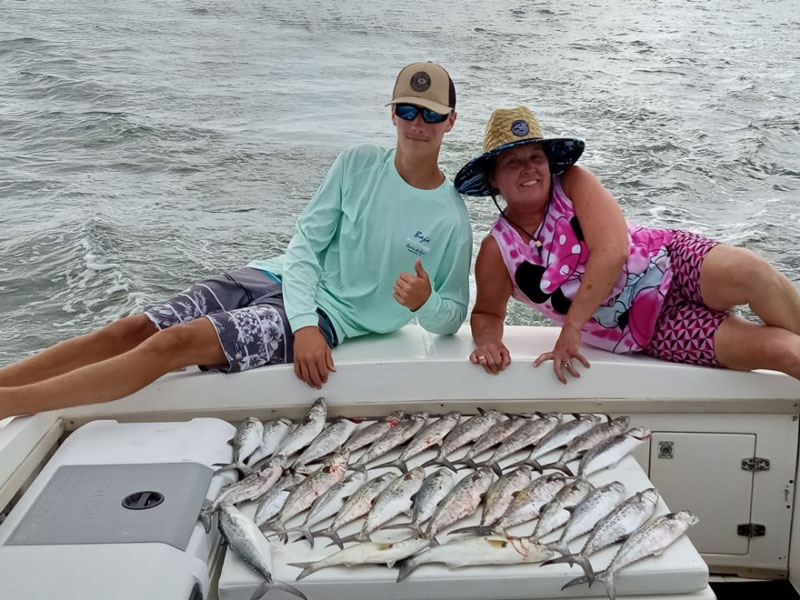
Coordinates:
<point>420,81</point>
<point>519,128</point>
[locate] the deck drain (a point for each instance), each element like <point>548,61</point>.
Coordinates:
<point>142,500</point>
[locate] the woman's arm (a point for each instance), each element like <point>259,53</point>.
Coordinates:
<point>606,235</point>
<point>489,312</point>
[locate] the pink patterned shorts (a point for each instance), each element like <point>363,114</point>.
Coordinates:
<point>685,328</point>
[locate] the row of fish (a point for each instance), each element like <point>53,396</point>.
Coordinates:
<point>277,459</point>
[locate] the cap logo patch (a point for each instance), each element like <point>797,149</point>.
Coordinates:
<point>519,128</point>
<point>420,81</point>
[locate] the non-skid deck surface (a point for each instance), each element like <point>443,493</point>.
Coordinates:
<point>679,571</point>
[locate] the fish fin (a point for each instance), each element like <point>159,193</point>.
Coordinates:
<point>474,530</point>
<point>399,526</point>
<point>496,468</point>
<point>434,541</point>
<point>519,463</point>
<point>469,463</point>
<point>443,461</point>
<point>394,463</point>
<point>558,466</point>
<point>576,581</point>
<point>335,539</point>
<point>607,577</point>
<point>306,531</point>
<point>480,410</point>
<point>567,558</point>
<point>534,464</point>
<point>308,568</point>
<point>288,588</point>
<point>433,461</point>
<point>343,540</point>
<point>406,567</point>
<point>206,516</point>
<point>584,564</point>
<point>559,547</point>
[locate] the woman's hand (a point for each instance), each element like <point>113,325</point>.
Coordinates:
<point>564,353</point>
<point>493,357</point>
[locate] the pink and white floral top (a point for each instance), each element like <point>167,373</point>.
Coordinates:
<point>547,276</point>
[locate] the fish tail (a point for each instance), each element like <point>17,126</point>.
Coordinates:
<point>394,463</point>
<point>559,547</point>
<point>340,541</point>
<point>576,581</point>
<point>407,567</point>
<point>567,558</point>
<point>308,569</point>
<point>444,462</point>
<point>496,468</point>
<point>584,564</point>
<point>433,461</point>
<point>434,542</point>
<point>607,577</point>
<point>400,526</point>
<point>534,464</point>
<point>559,466</point>
<point>469,463</point>
<point>306,533</point>
<point>286,588</point>
<point>474,530</point>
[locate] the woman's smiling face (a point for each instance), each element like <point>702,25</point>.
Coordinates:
<point>522,174</point>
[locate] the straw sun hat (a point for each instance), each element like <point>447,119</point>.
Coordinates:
<point>509,128</point>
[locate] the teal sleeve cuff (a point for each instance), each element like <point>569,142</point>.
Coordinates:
<point>431,307</point>
<point>306,320</point>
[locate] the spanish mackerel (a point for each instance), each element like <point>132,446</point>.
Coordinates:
<point>274,433</point>
<point>587,441</point>
<point>434,489</point>
<point>247,542</point>
<point>306,431</point>
<point>396,436</point>
<point>356,506</point>
<point>330,440</point>
<point>472,551</point>
<point>649,540</point>
<point>392,501</point>
<point>558,511</point>
<point>530,433</point>
<point>427,437</point>
<point>462,501</point>
<point>597,504</point>
<point>496,435</point>
<point>528,502</point>
<point>316,484</point>
<point>616,527</point>
<point>271,503</point>
<point>561,436</point>
<point>366,553</point>
<point>611,451</point>
<point>245,441</point>
<point>464,433</point>
<point>497,500</point>
<point>372,432</point>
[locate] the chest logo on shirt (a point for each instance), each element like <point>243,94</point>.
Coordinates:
<point>418,244</point>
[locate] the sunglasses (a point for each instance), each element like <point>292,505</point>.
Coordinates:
<point>409,112</point>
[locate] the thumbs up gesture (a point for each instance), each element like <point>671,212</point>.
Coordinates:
<point>412,290</point>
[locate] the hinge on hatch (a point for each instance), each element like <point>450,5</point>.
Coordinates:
<point>755,463</point>
<point>751,530</point>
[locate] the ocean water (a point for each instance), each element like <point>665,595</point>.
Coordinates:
<point>145,145</point>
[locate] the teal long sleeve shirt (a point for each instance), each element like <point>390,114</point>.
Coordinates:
<point>363,227</point>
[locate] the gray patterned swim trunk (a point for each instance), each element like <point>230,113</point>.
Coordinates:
<point>245,306</point>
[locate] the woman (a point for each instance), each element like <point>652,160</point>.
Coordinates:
<point>563,247</point>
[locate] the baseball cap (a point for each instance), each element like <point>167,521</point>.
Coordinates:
<point>425,84</point>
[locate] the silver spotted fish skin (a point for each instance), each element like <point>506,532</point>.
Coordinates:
<point>392,501</point>
<point>585,442</point>
<point>462,501</point>
<point>530,433</point>
<point>330,440</point>
<point>372,432</point>
<point>496,435</point>
<point>528,502</point>
<point>428,436</point>
<point>305,432</point>
<point>611,451</point>
<point>556,513</point>
<point>274,433</point>
<point>396,436</point>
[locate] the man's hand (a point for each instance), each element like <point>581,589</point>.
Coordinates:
<point>413,290</point>
<point>312,357</point>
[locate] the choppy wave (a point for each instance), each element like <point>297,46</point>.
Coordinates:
<point>145,145</point>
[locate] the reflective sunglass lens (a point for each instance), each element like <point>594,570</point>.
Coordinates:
<point>407,112</point>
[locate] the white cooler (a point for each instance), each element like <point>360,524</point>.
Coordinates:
<point>678,574</point>
<point>113,514</point>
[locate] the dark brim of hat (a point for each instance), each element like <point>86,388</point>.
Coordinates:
<point>472,179</point>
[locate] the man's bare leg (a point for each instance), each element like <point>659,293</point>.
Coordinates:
<point>193,343</point>
<point>113,339</point>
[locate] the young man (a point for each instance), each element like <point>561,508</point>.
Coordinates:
<point>385,238</point>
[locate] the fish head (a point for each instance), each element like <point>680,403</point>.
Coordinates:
<point>317,410</point>
<point>650,495</point>
<point>616,487</point>
<point>394,417</point>
<point>453,415</point>
<point>419,416</point>
<point>285,421</point>
<point>685,516</point>
<point>621,422</point>
<point>417,473</point>
<point>337,460</point>
<point>640,433</point>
